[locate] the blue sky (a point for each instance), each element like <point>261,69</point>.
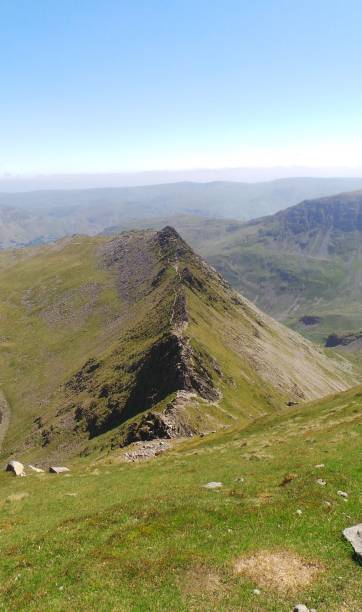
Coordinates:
<point>131,85</point>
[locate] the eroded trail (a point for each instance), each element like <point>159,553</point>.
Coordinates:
<point>4,417</point>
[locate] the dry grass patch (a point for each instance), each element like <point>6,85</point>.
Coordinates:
<point>281,571</point>
<point>200,579</point>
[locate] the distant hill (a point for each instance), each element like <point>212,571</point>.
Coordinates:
<point>303,265</point>
<point>42,216</point>
<point>107,341</point>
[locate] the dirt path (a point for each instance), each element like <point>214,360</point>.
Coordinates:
<point>4,417</point>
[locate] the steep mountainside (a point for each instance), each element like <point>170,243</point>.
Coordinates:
<point>302,265</point>
<point>43,216</point>
<point>107,341</point>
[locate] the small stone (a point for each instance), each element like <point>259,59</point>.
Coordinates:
<point>241,479</point>
<point>342,493</point>
<point>319,466</point>
<point>58,470</point>
<point>327,504</point>
<point>256,591</point>
<point>354,536</point>
<point>213,485</point>
<point>321,482</point>
<point>300,608</point>
<point>16,468</point>
<point>299,512</point>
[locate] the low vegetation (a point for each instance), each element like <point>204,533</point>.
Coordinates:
<point>150,536</point>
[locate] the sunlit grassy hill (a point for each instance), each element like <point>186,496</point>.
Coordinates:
<point>149,536</point>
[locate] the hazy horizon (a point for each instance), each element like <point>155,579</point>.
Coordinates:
<point>14,183</point>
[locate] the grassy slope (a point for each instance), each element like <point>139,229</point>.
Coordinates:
<point>149,537</point>
<point>54,309</point>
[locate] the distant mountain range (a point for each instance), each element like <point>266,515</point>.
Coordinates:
<point>43,216</point>
<point>83,180</point>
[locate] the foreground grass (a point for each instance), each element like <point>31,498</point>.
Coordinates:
<point>150,537</point>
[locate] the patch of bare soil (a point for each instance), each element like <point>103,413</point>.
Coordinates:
<point>199,580</point>
<point>281,571</point>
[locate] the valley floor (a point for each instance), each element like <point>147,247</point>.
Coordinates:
<point>149,535</point>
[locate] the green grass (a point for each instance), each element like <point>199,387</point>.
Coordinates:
<point>149,536</point>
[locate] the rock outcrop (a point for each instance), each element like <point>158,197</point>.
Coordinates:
<point>16,468</point>
<point>354,537</point>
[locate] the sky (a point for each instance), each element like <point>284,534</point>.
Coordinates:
<point>123,86</point>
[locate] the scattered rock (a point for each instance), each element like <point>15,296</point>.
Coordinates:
<point>354,537</point>
<point>256,591</point>
<point>319,466</point>
<point>342,494</point>
<point>58,470</point>
<point>321,482</point>
<point>16,468</point>
<point>300,608</point>
<point>36,469</point>
<point>299,512</point>
<point>213,485</point>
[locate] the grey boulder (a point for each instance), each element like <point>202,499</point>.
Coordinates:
<point>58,470</point>
<point>16,468</point>
<point>213,485</point>
<point>354,537</point>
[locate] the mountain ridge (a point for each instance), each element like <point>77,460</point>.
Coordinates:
<point>137,337</point>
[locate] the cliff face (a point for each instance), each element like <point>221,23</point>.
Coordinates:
<point>342,213</point>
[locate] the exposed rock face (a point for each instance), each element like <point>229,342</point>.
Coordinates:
<point>354,536</point>
<point>16,468</point>
<point>171,365</point>
<point>337,213</point>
